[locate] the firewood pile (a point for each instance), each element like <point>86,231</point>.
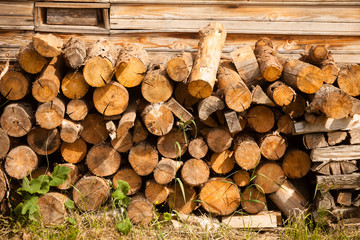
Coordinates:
<point>225,129</point>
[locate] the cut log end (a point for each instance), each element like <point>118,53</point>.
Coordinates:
<point>241,178</point>
<point>253,200</point>
<point>269,177</point>
<point>200,89</point>
<point>131,177</point>
<point>73,152</point>
<point>98,71</point>
<point>130,73</point>
<point>20,162</point>
<point>296,164</point>
<point>195,172</point>
<point>143,158</point>
<point>273,146</point>
<point>103,160</point>
<point>52,209</point>
<point>261,119</point>
<point>184,204</point>
<point>222,163</point>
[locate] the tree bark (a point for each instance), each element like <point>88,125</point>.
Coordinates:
<point>246,151</point>
<point>44,141</point>
<point>75,53</point>
<point>17,119</point>
<point>314,54</point>
<point>179,111</point>
<point>127,120</point>
<point>158,119</point>
<point>20,162</point>
<point>4,144</point>
<point>143,158</point>
<point>74,86</point>
<point>73,152</point>
<point>131,177</point>
<point>30,60</point>
<point>330,69</point>
<point>222,163</point>
<point>208,106</point>
<point>261,119</point>
<point>269,177</point>
<point>102,160</point>
<point>179,67</point>
<point>50,115</point>
<point>94,129</point>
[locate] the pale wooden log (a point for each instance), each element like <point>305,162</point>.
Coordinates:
<point>52,209</point>
<point>127,120</point>
<point>4,144</point>
<point>94,129</point>
<point>178,110</point>
<point>314,140</point>
<point>345,181</point>
<point>111,99</point>
<point>219,196</point>
<point>288,199</point>
<point>270,66</point>
<point>195,172</point>
<point>324,200</point>
<point>203,74</point>
<point>131,177</point>
<point>49,115</point>
<point>314,54</point>
<point>173,144</point>
<point>336,153</point>
<point>262,220</point>
<point>73,152</point>
<point>72,177</point>
<point>269,177</point>
<point>69,131</point>
<point>156,86</point>
<point>44,141</point>
<point>260,98</point>
<point>261,119</point>
<point>99,66</point>
<point>77,109</point>
<point>252,200</point>
<point>241,178</point>
<point>131,65</point>
<point>30,60</point>
<point>344,198</point>
<point>155,192</point>
<point>222,163</point>
<point>280,93</point>
<point>303,76</point>
<point>296,108</point>
<point>198,148</point>
<point>47,45</point>
<point>233,122</point>
<point>16,119</point>
<point>218,139</point>
<point>111,128</point>
<point>20,162</point>
<point>90,192</point>
<point>330,69</point>
<point>182,95</point>
<point>139,133</point>
<point>143,158</point>
<point>237,94</point>
<point>179,67</point>
<point>296,163</point>
<point>273,146</point>
<point>182,203</point>
<point>334,138</point>
<point>285,124</point>
<point>158,119</point>
<point>247,66</point>
<point>332,102</point>
<point>246,151</point>
<point>140,210</point>
<point>102,160</point>
<point>208,106</point>
<point>74,86</point>
<point>165,170</point>
<point>348,79</point>
<point>123,143</point>
<point>14,85</point>
<point>74,52</point>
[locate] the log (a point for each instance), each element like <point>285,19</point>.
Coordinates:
<point>52,209</point>
<point>348,167</point>
<point>69,131</point>
<point>155,192</point>
<point>334,138</point>
<point>139,133</point>
<point>203,74</point>
<point>77,109</point>
<point>73,152</point>
<point>30,60</point>
<point>344,198</point>
<point>179,111</point>
<point>269,64</point>
<point>273,146</point>
<point>16,119</point>
<point>195,172</point>
<point>269,177</point>
<point>158,119</point>
<point>182,203</point>
<point>74,53</point>
<point>314,54</point>
<point>74,86</point>
<point>127,120</point>
<point>90,192</point>
<point>348,79</point>
<point>140,210</point>
<point>131,177</point>
<point>280,93</point>
<point>173,144</point>
<point>44,141</point>
<point>182,95</point>
<point>261,119</point>
<point>260,98</point>
<point>179,67</point>
<point>99,66</point>
<point>218,139</point>
<point>322,168</point>
<point>143,158</point>
<point>237,94</point>
<point>324,201</point>
<point>219,196</point>
<point>246,151</point>
<point>296,163</point>
<point>252,200</point>
<point>354,136</point>
<point>288,199</point>
<point>330,69</point>
<point>102,160</point>
<point>47,45</point>
<point>241,178</point>
<point>247,66</point>
<point>335,168</point>
<point>303,76</point>
<point>50,115</point>
<point>296,108</point>
<point>20,162</point>
<point>222,163</point>
<point>94,129</point>
<point>3,184</point>
<point>198,148</point>
<point>233,122</point>
<point>14,85</point>
<point>336,153</point>
<point>314,140</point>
<point>4,144</point>
<point>72,178</point>
<point>285,124</point>
<point>208,106</point>
<point>345,181</point>
<point>262,220</point>
<point>165,170</point>
<point>123,143</point>
<point>346,213</point>
<point>332,102</point>
<point>156,86</point>
<point>131,65</point>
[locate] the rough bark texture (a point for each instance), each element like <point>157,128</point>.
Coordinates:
<point>75,52</point>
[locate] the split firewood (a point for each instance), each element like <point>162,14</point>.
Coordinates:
<point>198,148</point>
<point>182,95</point>
<point>173,144</point>
<point>131,177</point>
<point>44,141</point>
<point>74,53</point>
<point>330,69</point>
<point>122,143</point>
<point>314,54</point>
<point>344,198</point>
<point>324,200</point>
<point>17,119</point>
<point>72,177</point>
<point>296,163</point>
<point>269,177</point>
<point>131,65</point>
<point>20,162</point>
<point>73,152</point>
<point>246,151</point>
<point>111,128</point>
<point>94,129</point>
<point>253,200</point>
<point>218,139</point>
<point>222,163</point>
<point>241,178</point>
<point>30,60</point>
<point>195,172</point>
<point>47,45</point>
<point>4,144</point>
<point>281,94</point>
<point>203,74</point>
<point>165,170</point>
<point>77,109</point>
<point>208,106</point>
<point>143,158</point>
<point>102,160</point>
<point>155,192</point>
<point>139,133</point>
<point>74,86</point>
<point>158,119</point>
<point>179,67</point>
<point>314,140</point>
<point>348,79</point>
<point>127,120</point>
<point>273,146</point>
<point>348,167</point>
<point>261,119</point>
<point>50,115</point>
<point>140,210</point>
<point>179,111</point>
<point>70,131</point>
<point>52,208</point>
<point>296,108</point>
<point>14,84</point>
<point>260,98</point>
<point>336,137</point>
<point>182,203</point>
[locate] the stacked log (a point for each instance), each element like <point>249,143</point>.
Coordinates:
<point>174,133</point>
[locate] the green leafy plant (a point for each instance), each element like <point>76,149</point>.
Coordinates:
<point>121,201</point>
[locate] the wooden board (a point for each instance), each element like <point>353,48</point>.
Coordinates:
<point>261,220</point>
<point>336,153</point>
<point>345,181</point>
<point>16,15</point>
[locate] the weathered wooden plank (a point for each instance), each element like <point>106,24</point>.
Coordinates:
<point>348,181</point>
<point>71,29</point>
<point>336,153</point>
<point>71,5</point>
<point>261,220</point>
<point>9,8</point>
<point>87,1</point>
<point>70,16</point>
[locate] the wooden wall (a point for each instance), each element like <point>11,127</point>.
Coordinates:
<point>168,26</point>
